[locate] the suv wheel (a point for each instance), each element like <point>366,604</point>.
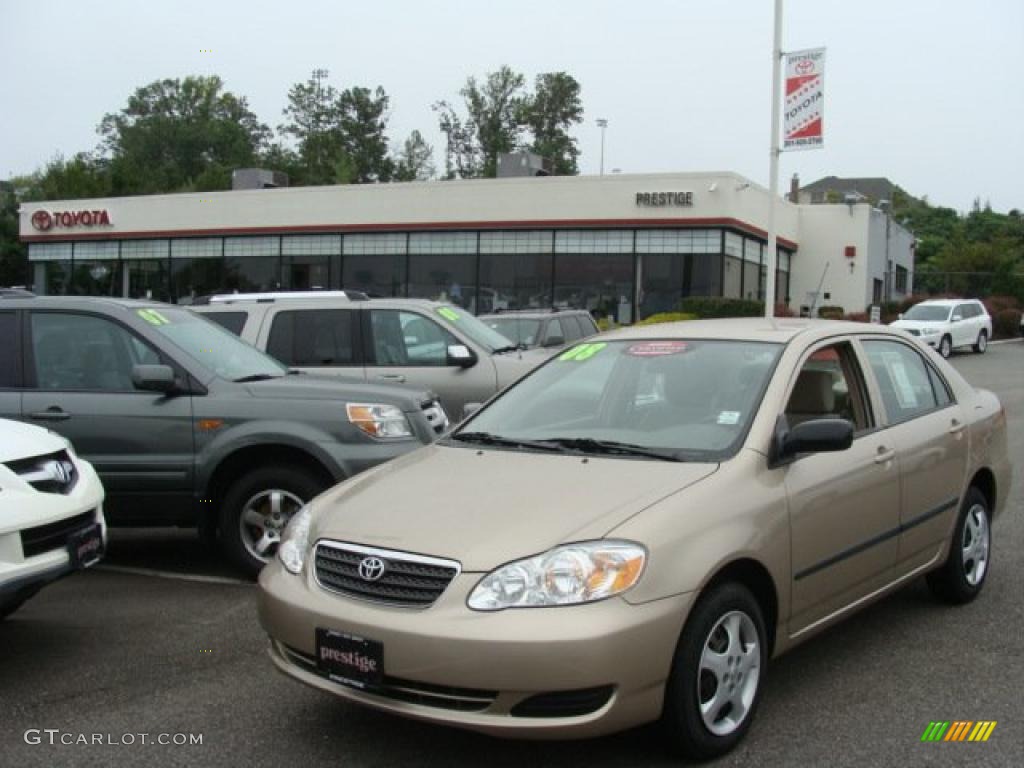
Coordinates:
<point>946,346</point>
<point>982,343</point>
<point>717,674</point>
<point>256,509</point>
<point>970,553</point>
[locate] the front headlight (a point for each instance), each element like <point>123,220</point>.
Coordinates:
<point>566,575</point>
<point>376,420</point>
<point>295,540</point>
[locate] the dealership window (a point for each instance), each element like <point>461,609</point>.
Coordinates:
<point>96,270</point>
<point>901,279</point>
<point>374,264</point>
<point>197,268</point>
<point>148,279</point>
<point>251,246</point>
<point>251,274</point>
<point>154,249</point>
<point>751,268</point>
<point>782,278</point>
<point>52,268</point>
<point>515,270</point>
<point>678,263</point>
<point>306,261</point>
<point>732,277</point>
<point>733,245</point>
<point>442,266</point>
<point>594,271</point>
<point>189,248</point>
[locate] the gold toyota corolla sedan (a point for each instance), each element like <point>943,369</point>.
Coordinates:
<point>630,532</point>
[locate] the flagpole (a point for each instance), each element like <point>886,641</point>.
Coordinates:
<point>773,184</point>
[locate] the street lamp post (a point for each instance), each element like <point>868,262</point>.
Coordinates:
<point>602,123</point>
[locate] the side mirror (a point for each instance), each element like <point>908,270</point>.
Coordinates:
<point>957,318</point>
<point>154,378</point>
<point>816,436</point>
<point>554,341</point>
<point>461,355</point>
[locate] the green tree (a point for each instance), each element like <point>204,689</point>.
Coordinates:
<point>552,110</point>
<point>83,176</point>
<point>13,262</point>
<point>415,160</point>
<point>363,122</point>
<point>180,134</point>
<point>494,123</point>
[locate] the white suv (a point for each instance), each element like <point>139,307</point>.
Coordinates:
<point>948,323</point>
<point>51,512</point>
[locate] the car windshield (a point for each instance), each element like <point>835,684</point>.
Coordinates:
<point>458,318</point>
<point>689,400</point>
<point>928,312</point>
<point>519,330</point>
<point>211,346</point>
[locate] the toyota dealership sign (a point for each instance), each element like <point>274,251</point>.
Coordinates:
<point>44,221</point>
<point>803,127</point>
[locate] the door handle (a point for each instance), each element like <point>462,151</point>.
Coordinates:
<point>956,427</point>
<point>398,378</point>
<point>885,455</point>
<point>53,413</point>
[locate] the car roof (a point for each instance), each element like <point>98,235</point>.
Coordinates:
<point>775,330</point>
<point>532,313</point>
<point>943,302</point>
<point>83,302</point>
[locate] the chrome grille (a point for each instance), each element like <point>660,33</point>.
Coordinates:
<point>51,473</point>
<point>404,579</point>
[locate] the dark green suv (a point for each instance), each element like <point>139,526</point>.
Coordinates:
<point>187,425</point>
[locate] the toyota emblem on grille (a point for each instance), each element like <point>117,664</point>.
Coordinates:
<point>371,568</point>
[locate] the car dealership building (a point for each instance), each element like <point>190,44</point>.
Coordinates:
<point>622,245</point>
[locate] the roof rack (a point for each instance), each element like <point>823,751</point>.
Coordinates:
<point>16,293</point>
<point>233,298</point>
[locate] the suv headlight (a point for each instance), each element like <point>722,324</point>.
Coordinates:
<point>376,420</point>
<point>295,540</point>
<point>566,575</point>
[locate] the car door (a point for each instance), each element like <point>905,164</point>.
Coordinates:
<point>79,383</point>
<point>325,341</point>
<point>409,347</point>
<point>928,430</point>
<point>963,329</point>
<point>844,506</point>
<point>10,366</point>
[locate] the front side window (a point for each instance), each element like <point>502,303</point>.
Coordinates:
<point>829,386</point>
<point>313,337</point>
<point>683,399</point>
<point>903,379</point>
<point>75,352</point>
<point>408,338</point>
<point>929,313</point>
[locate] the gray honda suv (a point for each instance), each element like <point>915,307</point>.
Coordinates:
<point>187,425</point>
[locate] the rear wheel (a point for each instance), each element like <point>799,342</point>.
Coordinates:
<point>982,343</point>
<point>256,509</point>
<point>946,346</point>
<point>717,674</point>
<point>970,553</point>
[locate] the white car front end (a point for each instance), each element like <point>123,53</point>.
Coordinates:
<point>930,332</point>
<point>51,512</point>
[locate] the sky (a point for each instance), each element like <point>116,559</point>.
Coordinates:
<point>928,93</point>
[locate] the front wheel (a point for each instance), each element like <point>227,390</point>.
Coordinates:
<point>970,553</point>
<point>982,343</point>
<point>946,347</point>
<point>717,674</point>
<point>256,509</point>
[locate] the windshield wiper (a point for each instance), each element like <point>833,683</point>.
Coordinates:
<point>486,438</point>
<point>510,348</point>
<point>254,377</point>
<point>591,445</point>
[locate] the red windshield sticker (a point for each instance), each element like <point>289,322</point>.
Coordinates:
<point>656,348</point>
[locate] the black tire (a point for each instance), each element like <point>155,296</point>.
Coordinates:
<point>982,343</point>
<point>946,346</point>
<point>295,485</point>
<point>959,581</point>
<point>684,727</point>
<point>6,609</point>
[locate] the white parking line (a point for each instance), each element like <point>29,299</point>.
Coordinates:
<point>172,575</point>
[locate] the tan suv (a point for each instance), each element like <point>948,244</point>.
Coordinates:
<point>631,531</point>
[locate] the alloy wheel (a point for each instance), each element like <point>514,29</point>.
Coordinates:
<point>730,668</point>
<point>263,520</point>
<point>974,543</point>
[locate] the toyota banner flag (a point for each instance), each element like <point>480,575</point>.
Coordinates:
<point>805,99</point>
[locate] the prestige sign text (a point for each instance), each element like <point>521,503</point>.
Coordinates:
<point>661,199</point>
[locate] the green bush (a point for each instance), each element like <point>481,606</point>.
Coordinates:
<point>667,317</point>
<point>718,306</point>
<point>1006,324</point>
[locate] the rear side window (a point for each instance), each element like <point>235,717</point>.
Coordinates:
<point>8,351</point>
<point>903,378</point>
<point>312,338</point>
<point>555,331</point>
<point>232,321</point>
<point>571,329</point>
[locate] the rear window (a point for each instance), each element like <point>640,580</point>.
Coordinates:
<point>232,321</point>
<point>8,351</point>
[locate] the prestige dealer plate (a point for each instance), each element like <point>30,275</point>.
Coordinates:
<point>349,659</point>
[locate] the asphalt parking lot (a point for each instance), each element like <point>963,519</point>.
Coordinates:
<point>162,640</point>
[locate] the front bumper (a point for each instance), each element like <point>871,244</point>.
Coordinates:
<point>487,671</point>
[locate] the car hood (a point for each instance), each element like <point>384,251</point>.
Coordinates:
<point>512,366</point>
<point>22,441</point>
<point>309,387</point>
<point>917,325</point>
<point>485,507</point>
